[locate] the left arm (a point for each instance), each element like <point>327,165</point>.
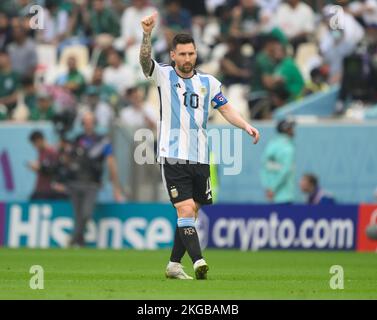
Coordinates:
<point>234,118</point>
<point>117,190</point>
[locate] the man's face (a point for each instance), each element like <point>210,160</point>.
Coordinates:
<point>3,22</point>
<point>184,56</point>
<point>137,97</point>
<point>305,185</point>
<point>293,2</point>
<point>97,75</point>
<point>138,3</point>
<point>4,60</point>
<point>88,123</point>
<point>247,4</point>
<point>99,5</point>
<point>291,132</point>
<point>113,59</point>
<point>72,64</point>
<point>44,103</point>
<point>18,34</point>
<point>278,53</point>
<point>38,144</point>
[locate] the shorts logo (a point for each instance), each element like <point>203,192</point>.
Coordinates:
<point>174,192</point>
<point>189,231</point>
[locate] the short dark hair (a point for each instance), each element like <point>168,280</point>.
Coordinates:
<point>182,38</point>
<point>313,180</point>
<point>36,135</point>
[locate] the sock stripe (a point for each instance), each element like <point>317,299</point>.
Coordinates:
<point>186,222</point>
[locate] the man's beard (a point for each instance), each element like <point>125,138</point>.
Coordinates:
<point>186,68</point>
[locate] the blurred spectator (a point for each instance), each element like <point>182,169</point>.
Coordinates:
<point>223,14</point>
<point>286,83</point>
<point>56,22</point>
<point>107,92</point>
<point>118,74</point>
<point>196,8</point>
<point>100,108</point>
<point>234,66</point>
<point>5,31</point>
<point>119,6</point>
<point>309,185</point>
<point>131,32</point>
<point>30,93</point>
<point>23,7</point>
<point>278,165</point>
<point>103,19</point>
<point>23,52</point>
<point>45,168</point>
<point>358,80</point>
<point>246,20</point>
<point>86,165</point>
<point>138,114</point>
<point>263,64</point>
<point>366,11</point>
<point>73,80</point>
<point>177,19</point>
<point>79,20</point>
<point>336,44</point>
<point>269,7</point>
<point>318,81</point>
<point>9,84</point>
<point>296,19</point>
<point>45,108</point>
<point>7,6</point>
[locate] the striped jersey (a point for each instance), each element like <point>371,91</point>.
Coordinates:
<point>184,109</point>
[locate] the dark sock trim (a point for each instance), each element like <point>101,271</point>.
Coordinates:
<point>190,239</point>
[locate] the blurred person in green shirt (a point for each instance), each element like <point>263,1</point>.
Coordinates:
<point>278,164</point>
<point>73,80</point>
<point>44,109</point>
<point>9,84</point>
<point>103,20</point>
<point>286,84</point>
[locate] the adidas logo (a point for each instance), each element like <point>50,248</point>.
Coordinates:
<point>177,85</point>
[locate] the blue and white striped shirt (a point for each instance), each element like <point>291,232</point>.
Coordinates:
<point>184,110</point>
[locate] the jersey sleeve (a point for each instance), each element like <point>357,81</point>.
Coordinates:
<point>155,73</point>
<point>217,97</point>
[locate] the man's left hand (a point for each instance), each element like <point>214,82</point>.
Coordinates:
<point>253,132</point>
<point>118,195</point>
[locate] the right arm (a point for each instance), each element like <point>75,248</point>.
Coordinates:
<point>148,24</point>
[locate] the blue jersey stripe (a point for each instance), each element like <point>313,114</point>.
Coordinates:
<point>205,83</point>
<point>159,134</point>
<point>193,149</point>
<point>175,122</point>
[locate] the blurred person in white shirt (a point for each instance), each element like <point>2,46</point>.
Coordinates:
<point>118,74</point>
<point>337,43</point>
<point>138,114</point>
<point>366,10</point>
<point>130,23</point>
<point>296,19</point>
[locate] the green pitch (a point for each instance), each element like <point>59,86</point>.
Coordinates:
<point>130,274</point>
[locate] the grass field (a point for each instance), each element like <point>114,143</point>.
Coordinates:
<point>130,274</point>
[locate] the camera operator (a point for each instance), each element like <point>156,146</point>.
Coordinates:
<point>88,154</point>
<point>45,167</point>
